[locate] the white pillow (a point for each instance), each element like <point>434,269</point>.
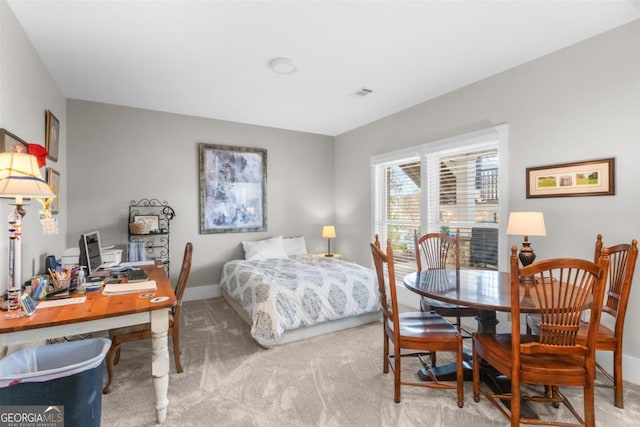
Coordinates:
<point>294,245</point>
<point>264,249</point>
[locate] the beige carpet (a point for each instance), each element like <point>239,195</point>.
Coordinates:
<point>331,380</point>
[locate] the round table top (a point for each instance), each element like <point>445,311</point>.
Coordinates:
<point>480,289</point>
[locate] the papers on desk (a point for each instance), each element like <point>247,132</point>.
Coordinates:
<point>59,302</point>
<point>127,288</point>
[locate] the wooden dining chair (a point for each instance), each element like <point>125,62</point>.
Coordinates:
<point>622,263</point>
<point>435,251</point>
<point>120,336</point>
<point>562,288</point>
<point>417,332</point>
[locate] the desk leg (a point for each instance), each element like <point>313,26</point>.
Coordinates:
<point>160,361</point>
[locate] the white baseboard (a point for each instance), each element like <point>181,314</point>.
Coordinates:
<point>195,293</point>
<point>630,365</point>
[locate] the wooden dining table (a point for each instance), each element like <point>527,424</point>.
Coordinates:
<point>489,292</point>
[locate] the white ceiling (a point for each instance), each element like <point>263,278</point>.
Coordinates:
<point>209,58</point>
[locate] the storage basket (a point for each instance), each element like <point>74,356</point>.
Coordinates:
<point>139,227</point>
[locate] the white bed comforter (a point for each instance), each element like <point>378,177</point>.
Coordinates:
<point>282,294</point>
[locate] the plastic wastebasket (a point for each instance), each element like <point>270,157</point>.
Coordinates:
<point>67,376</point>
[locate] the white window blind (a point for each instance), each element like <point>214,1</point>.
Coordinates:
<point>397,210</point>
<point>439,188</point>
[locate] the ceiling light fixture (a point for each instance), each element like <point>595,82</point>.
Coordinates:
<point>282,66</point>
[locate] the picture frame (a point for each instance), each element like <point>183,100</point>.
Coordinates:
<point>10,143</point>
<point>53,179</point>
<point>233,189</point>
<point>586,178</point>
<point>52,137</point>
<point>152,221</point>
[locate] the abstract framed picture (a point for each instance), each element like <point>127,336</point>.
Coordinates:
<point>233,189</point>
<point>53,179</point>
<point>10,143</point>
<point>52,135</point>
<point>587,178</point>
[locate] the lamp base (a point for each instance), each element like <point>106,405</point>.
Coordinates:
<point>527,256</point>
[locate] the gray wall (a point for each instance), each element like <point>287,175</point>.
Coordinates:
<point>120,154</point>
<point>26,91</point>
<point>580,103</point>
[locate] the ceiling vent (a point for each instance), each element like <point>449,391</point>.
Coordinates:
<point>361,93</point>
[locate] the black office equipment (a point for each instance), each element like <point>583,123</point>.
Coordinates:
<point>90,252</point>
<point>136,275</point>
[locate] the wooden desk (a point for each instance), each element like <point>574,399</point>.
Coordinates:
<point>100,313</point>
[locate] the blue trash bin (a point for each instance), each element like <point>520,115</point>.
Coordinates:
<point>67,376</point>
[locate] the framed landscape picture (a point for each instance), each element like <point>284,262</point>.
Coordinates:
<point>233,189</point>
<point>588,178</point>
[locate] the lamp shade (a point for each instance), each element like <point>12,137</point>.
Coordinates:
<point>20,177</point>
<point>329,232</point>
<point>526,224</point>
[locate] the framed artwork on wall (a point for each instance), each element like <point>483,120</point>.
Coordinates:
<point>233,189</point>
<point>52,139</point>
<point>587,178</point>
<point>53,179</point>
<point>10,143</point>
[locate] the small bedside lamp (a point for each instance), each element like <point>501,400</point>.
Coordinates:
<point>526,224</point>
<point>19,178</point>
<point>329,232</point>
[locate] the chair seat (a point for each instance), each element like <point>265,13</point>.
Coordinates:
<point>532,366</point>
<point>421,325</point>
<point>606,337</point>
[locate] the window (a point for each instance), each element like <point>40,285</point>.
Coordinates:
<point>440,187</point>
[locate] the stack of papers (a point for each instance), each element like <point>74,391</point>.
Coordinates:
<point>127,288</point>
<point>59,302</point>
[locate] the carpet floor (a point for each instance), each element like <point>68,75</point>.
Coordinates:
<point>330,380</point>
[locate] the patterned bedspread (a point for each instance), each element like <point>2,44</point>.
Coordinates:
<point>282,294</point>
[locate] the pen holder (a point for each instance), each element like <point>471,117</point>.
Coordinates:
<point>61,283</point>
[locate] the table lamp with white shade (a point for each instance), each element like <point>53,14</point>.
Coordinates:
<point>20,178</point>
<point>526,224</point>
<point>329,232</point>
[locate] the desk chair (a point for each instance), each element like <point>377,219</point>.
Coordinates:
<point>418,332</point>
<point>434,252</point>
<point>120,336</point>
<point>621,268</point>
<point>562,288</point>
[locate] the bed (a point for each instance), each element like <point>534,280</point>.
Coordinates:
<point>289,295</point>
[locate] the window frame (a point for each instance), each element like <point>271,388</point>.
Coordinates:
<point>496,136</point>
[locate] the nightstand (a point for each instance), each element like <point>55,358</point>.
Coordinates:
<point>324,255</point>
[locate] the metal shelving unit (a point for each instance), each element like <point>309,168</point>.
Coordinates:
<point>157,242</point>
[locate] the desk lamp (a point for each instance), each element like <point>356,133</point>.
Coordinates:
<point>19,178</point>
<point>526,224</point>
<point>329,232</point>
